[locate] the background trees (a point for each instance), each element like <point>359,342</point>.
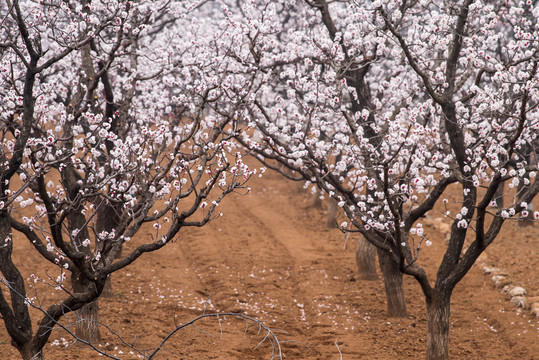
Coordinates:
<point>384,105</point>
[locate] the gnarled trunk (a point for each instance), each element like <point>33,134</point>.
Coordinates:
<point>396,305</point>
<point>366,259</point>
<point>87,323</point>
<point>438,310</point>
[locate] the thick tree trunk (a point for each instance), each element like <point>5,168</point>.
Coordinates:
<point>108,292</point>
<point>332,213</point>
<point>366,259</point>
<point>438,327</point>
<point>87,317</point>
<point>87,323</point>
<point>29,353</point>
<point>396,305</point>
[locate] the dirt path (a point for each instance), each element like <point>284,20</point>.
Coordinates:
<point>271,257</point>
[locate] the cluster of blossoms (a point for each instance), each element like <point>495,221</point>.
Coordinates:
<point>385,104</point>
<point>119,113</point>
<point>116,114</point>
<point>358,106</point>
<point>129,112</point>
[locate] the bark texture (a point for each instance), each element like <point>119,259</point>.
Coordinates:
<point>107,220</point>
<point>366,259</point>
<point>87,317</point>
<point>396,305</point>
<point>87,323</point>
<point>438,327</point>
<point>29,353</point>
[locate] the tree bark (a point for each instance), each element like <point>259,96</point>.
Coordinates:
<point>396,305</point>
<point>87,317</point>
<point>29,353</point>
<point>366,259</point>
<point>108,292</point>
<point>438,310</point>
<point>86,325</point>
<point>317,202</point>
<point>332,213</point>
<point>16,317</point>
<point>107,220</point>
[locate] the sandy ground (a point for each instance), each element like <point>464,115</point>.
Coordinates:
<point>272,257</point>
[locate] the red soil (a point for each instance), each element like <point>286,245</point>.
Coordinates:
<point>271,257</point>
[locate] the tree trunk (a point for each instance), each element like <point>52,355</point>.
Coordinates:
<point>332,213</point>
<point>396,305</point>
<point>29,353</point>
<point>16,317</point>
<point>107,220</point>
<point>86,326</point>
<point>317,202</point>
<point>366,259</point>
<point>108,292</point>
<point>498,196</point>
<point>87,317</point>
<point>87,323</point>
<point>438,327</point>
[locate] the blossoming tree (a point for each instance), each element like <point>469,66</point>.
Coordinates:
<point>114,114</point>
<point>385,104</point>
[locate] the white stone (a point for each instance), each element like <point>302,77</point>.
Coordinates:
<point>535,309</point>
<point>517,291</point>
<point>519,301</point>
<point>490,270</point>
